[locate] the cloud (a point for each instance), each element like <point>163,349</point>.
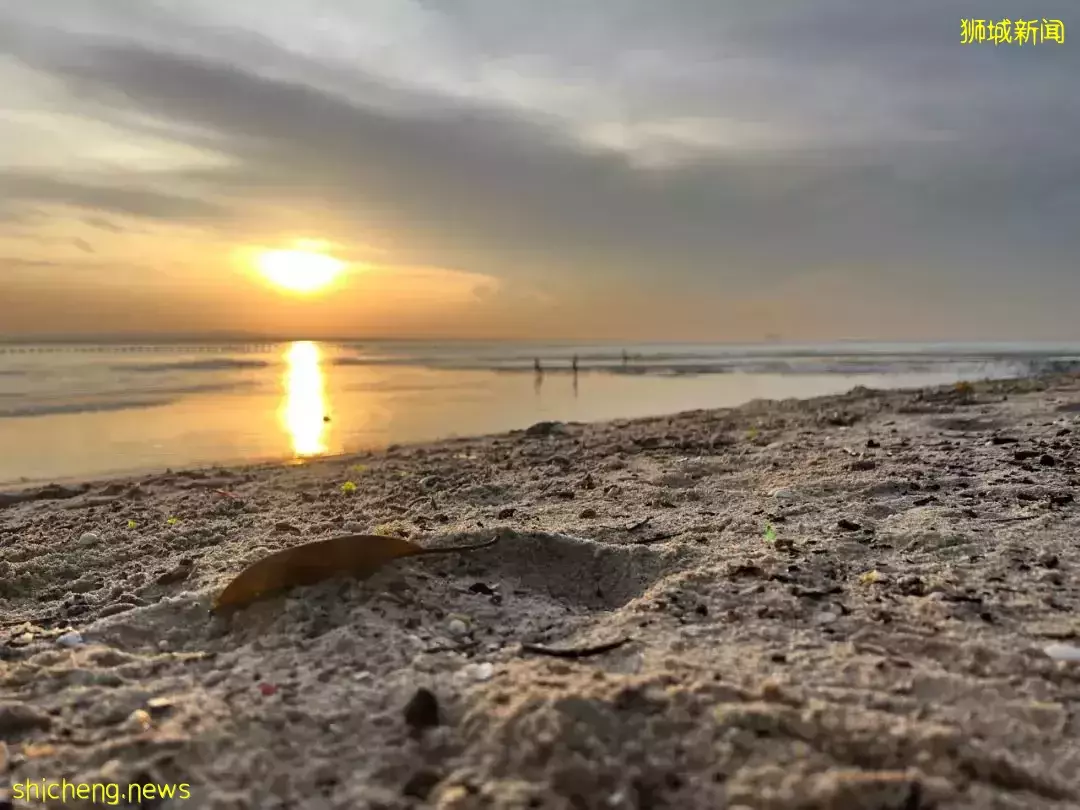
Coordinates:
<point>139,202</point>
<point>696,150</point>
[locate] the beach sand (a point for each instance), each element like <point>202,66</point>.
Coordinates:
<point>889,643</point>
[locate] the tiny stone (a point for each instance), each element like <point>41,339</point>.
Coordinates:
<point>138,721</point>
<point>484,671</point>
<point>783,494</point>
<point>159,706</point>
<point>457,627</point>
<point>70,639</point>
<point>587,513</point>
<point>1062,652</point>
<point>422,710</point>
<point>88,539</point>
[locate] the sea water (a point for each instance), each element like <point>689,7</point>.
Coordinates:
<point>77,411</point>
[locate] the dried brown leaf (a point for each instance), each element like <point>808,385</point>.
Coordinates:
<point>355,555</point>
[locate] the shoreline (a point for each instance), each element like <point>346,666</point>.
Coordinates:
<point>12,487</point>
<point>838,602</point>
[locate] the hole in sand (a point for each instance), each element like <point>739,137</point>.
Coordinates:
<point>568,569</point>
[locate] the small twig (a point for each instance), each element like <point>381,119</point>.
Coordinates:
<point>658,538</point>
<point>225,493</point>
<point>640,524</point>
<point>575,652</point>
<point>1013,519</point>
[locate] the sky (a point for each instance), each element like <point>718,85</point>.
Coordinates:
<point>624,170</point>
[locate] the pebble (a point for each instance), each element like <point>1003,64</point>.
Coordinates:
<point>138,721</point>
<point>1062,652</point>
<point>457,627</point>
<point>480,672</point>
<point>826,617</point>
<point>70,639</point>
<point>88,539</point>
<point>422,710</point>
<point>784,494</point>
<point>159,706</point>
<point>587,513</point>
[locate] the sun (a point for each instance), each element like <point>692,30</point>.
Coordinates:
<point>299,271</point>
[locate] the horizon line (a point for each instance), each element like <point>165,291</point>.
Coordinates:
<point>116,339</point>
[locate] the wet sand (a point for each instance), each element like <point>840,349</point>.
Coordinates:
<point>857,601</point>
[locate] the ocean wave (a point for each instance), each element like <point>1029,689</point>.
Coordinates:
<point>230,364</point>
<point>67,408</point>
<point>103,403</point>
<point>678,364</point>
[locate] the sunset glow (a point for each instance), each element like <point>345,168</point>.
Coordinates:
<point>299,271</point>
<point>304,406</point>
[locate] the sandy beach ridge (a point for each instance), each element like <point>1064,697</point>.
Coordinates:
<point>856,601</point>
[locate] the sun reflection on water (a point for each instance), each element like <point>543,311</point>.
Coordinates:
<point>304,408</point>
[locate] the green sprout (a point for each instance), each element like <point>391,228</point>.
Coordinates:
<point>770,533</point>
<point>348,487</point>
<point>172,521</point>
<point>132,524</point>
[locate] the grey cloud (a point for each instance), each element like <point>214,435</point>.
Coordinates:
<point>102,224</point>
<point>908,148</point>
<point>139,202</point>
